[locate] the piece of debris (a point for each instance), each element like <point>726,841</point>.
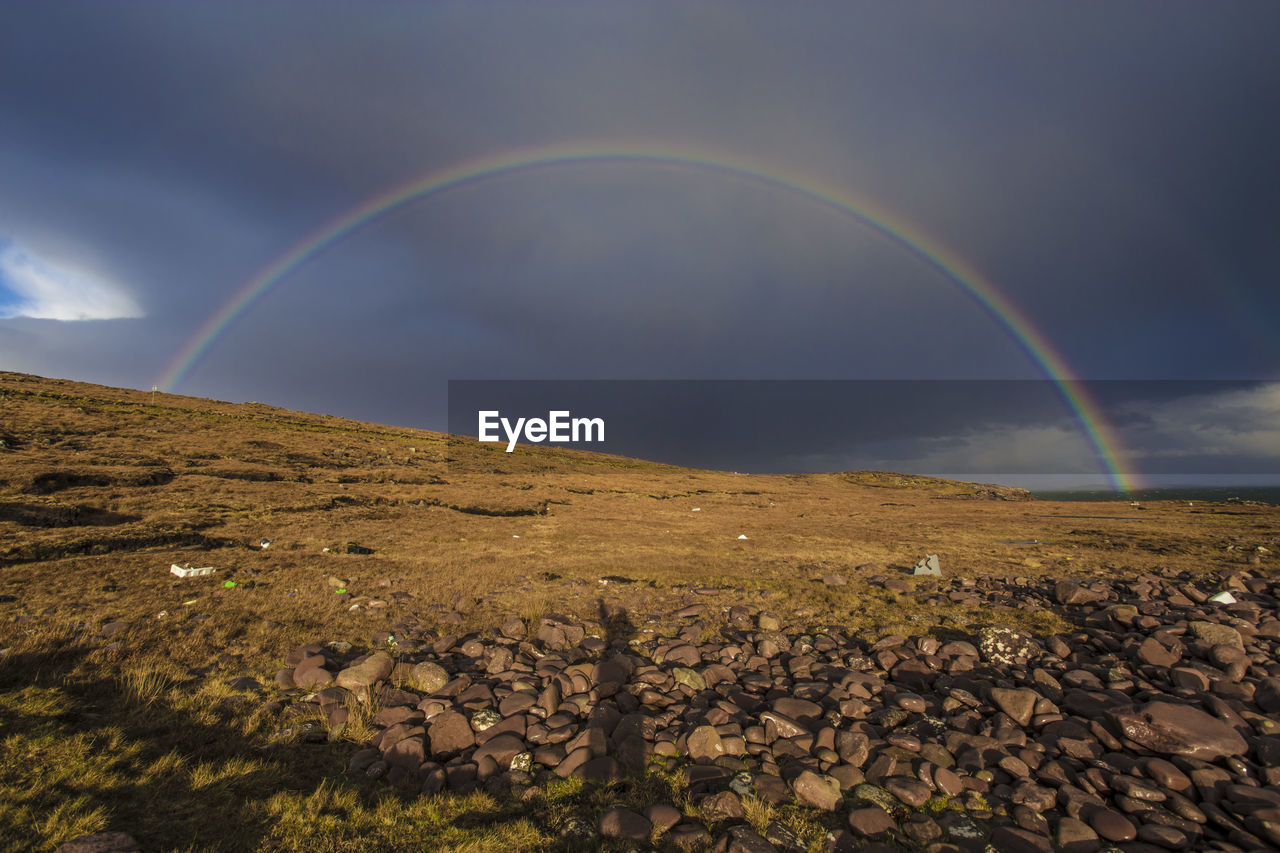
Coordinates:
<point>1223,597</point>
<point>324,550</point>
<point>696,509</point>
<point>228,584</point>
<point>265,544</point>
<point>928,567</point>
<point>189,572</point>
<point>514,536</point>
<point>353,548</point>
<point>742,536</point>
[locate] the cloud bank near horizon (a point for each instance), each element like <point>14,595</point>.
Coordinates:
<point>39,289</point>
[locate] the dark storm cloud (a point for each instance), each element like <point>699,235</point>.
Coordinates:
<point>975,429</point>
<point>1109,167</point>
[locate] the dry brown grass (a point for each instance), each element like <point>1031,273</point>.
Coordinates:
<point>100,491</point>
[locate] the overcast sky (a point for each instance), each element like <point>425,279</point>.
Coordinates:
<point>1110,168</point>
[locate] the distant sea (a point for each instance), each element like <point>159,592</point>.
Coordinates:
<point>1264,494</point>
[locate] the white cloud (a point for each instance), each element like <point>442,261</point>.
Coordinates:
<point>33,287</point>
<point>1237,422</point>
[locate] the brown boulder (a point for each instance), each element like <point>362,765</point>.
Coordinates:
<point>450,732</point>
<point>619,822</point>
<point>1171,729</point>
<point>366,673</point>
<point>817,790</point>
<point>427,677</point>
<point>1070,592</point>
<point>870,822</point>
<point>1152,653</point>
<point>704,744</point>
<point>1018,704</point>
<point>501,749</point>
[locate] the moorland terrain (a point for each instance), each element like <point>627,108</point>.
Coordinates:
<point>415,641</point>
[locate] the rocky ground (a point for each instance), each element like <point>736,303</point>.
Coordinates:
<point>1155,726</point>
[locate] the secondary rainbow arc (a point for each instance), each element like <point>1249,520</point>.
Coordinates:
<point>1099,434</point>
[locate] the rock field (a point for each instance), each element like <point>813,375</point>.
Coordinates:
<point>1155,726</point>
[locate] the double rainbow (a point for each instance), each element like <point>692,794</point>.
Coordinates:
<point>957,270</point>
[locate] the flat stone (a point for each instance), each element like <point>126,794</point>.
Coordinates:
<point>800,710</point>
<point>450,732</point>
<point>1167,837</point>
<point>1267,695</point>
<point>771,789</point>
<point>947,781</point>
<point>619,822</point>
<point>1012,839</point>
<point>1111,825</point>
<point>742,839</point>
<point>1164,774</point>
<point>724,805</point>
<point>685,655</point>
<point>409,753</point>
<point>691,678</point>
<point>1018,704</point>
<point>1171,729</point>
<point>870,822</point>
<point>1076,836</point>
<point>817,790</point>
<point>312,678</point>
<point>909,790</point>
<point>1215,634</point>
<point>601,769</point>
<point>374,668</point>
<point>688,836</point>
<point>879,797</point>
<point>768,622</point>
<point>1152,653</point>
<point>662,816</point>
<point>704,744</point>
<point>501,749</point>
<point>1069,592</point>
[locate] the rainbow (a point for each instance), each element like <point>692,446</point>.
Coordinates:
<point>1087,412</point>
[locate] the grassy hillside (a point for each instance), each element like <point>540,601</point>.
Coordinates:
<point>118,697</point>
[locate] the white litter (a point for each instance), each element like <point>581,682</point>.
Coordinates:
<point>324,550</point>
<point>742,536</point>
<point>1223,597</point>
<point>188,572</point>
<point>696,509</point>
<point>265,543</point>
<point>513,536</point>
